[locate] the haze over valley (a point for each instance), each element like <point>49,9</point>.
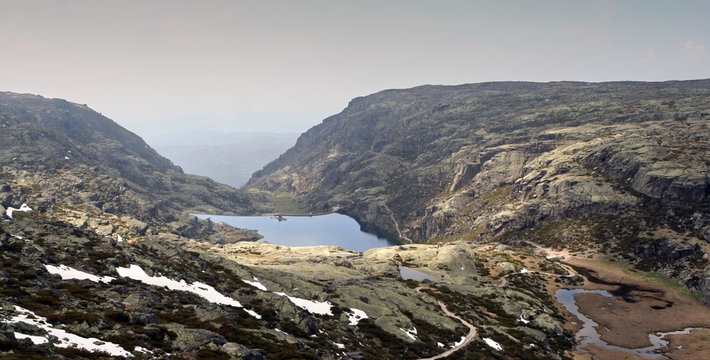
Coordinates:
<point>229,158</point>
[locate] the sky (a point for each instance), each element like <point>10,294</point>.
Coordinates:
<point>157,66</point>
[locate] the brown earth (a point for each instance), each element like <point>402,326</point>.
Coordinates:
<point>693,346</point>
<point>648,306</point>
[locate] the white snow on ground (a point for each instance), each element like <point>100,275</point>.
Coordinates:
<point>23,208</point>
<point>135,272</point>
<point>524,271</point>
<point>339,345</point>
<point>492,343</point>
<point>458,343</point>
<point>256,284</point>
<point>37,340</point>
<point>524,321</point>
<point>142,350</point>
<point>66,339</point>
<point>356,316</point>
<point>411,333</point>
<point>314,307</point>
<point>70,273</point>
<point>440,345</point>
<point>253,313</point>
<point>203,290</point>
<point>119,238</point>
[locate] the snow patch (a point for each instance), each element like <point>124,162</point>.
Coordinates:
<point>440,345</point>
<point>460,342</point>
<point>253,313</point>
<point>119,238</point>
<point>37,340</point>
<point>524,271</point>
<point>523,320</point>
<point>70,273</point>
<point>203,290</point>
<point>411,333</point>
<point>65,338</point>
<point>339,345</point>
<point>356,315</point>
<point>143,350</point>
<point>256,284</point>
<point>23,208</point>
<point>492,343</point>
<point>314,307</point>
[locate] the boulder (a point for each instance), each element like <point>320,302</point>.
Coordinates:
<point>705,286</point>
<point>505,267</point>
<point>705,233</point>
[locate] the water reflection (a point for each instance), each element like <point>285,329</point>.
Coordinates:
<point>332,229</point>
<point>589,335</point>
<point>408,273</point>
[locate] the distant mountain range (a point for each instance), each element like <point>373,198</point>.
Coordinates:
<point>229,158</point>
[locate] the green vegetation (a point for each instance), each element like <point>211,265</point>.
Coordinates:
<point>285,204</point>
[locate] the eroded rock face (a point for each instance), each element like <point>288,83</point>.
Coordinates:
<point>705,287</point>
<point>599,165</point>
<point>396,160</point>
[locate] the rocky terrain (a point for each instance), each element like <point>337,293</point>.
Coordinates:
<point>73,164</point>
<point>615,168</point>
<point>500,193</point>
<point>102,259</point>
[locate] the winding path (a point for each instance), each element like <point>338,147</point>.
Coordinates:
<point>469,337</point>
<point>396,224</point>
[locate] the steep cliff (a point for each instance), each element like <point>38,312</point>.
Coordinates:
<point>621,166</point>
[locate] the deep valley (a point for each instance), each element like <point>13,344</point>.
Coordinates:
<point>499,195</point>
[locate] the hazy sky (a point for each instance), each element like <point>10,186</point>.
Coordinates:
<point>286,65</point>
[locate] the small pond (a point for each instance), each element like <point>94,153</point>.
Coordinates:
<point>332,229</point>
<point>408,273</point>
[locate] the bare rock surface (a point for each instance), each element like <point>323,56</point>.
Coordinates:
<point>593,165</point>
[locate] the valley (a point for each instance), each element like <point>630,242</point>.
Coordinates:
<point>496,196</point>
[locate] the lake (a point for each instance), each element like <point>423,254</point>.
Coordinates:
<point>332,229</point>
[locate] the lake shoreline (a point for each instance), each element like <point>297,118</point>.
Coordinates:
<point>640,307</point>
<point>307,230</point>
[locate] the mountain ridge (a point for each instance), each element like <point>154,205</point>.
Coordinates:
<point>104,259</point>
<point>484,162</point>
<point>78,156</point>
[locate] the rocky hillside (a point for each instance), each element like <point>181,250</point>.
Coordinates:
<point>101,259</point>
<point>619,167</point>
<point>77,165</point>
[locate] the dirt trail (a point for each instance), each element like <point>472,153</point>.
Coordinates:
<point>552,253</point>
<point>469,337</point>
<point>396,225</point>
